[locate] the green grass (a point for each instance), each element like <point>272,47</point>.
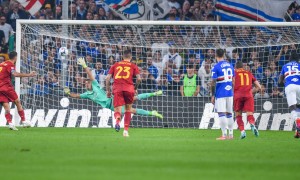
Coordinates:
<point>154,154</point>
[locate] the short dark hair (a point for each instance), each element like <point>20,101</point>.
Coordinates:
<point>220,53</point>
<point>190,66</point>
<point>12,54</point>
<point>294,56</point>
<point>239,64</point>
<point>127,54</point>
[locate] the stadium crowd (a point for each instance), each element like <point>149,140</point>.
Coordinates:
<point>167,56</point>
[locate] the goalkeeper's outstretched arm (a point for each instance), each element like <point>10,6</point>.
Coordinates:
<point>81,61</point>
<point>73,95</point>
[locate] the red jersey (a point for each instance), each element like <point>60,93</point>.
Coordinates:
<point>243,83</point>
<point>123,73</point>
<point>6,68</point>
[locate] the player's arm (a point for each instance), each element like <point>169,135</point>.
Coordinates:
<point>281,76</point>
<point>213,90</point>
<point>16,74</point>
<point>67,91</point>
<point>138,81</point>
<point>213,84</point>
<point>257,86</point>
<point>281,80</point>
<point>81,61</point>
<point>107,83</point>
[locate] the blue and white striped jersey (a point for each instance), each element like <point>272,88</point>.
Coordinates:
<point>223,73</point>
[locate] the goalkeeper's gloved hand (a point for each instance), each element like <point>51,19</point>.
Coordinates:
<point>67,91</point>
<point>81,61</point>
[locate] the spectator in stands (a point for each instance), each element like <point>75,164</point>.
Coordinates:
<point>236,56</point>
<point>210,8</point>
<point>268,81</point>
<point>14,14</point>
<point>296,15</point>
<point>6,28</point>
<point>81,11</point>
<point>174,85</point>
<point>139,57</point>
<point>257,69</point>
<point>3,45</point>
<point>276,93</point>
<point>5,10</point>
<point>99,73</point>
<point>190,83</point>
<point>48,12</point>
<point>283,55</point>
<point>95,17</point>
<point>205,75</point>
<point>151,68</point>
<point>72,11</point>
<point>172,59</point>
<point>79,83</point>
<point>186,14</point>
<point>102,14</point>
<point>162,82</point>
<point>262,93</point>
<point>58,12</point>
<point>157,61</point>
<point>274,71</point>
<point>89,16</point>
<point>89,61</point>
<point>40,88</point>
<point>92,7</point>
<point>148,80</point>
<point>111,61</point>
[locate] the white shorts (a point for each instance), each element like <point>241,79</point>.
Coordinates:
<point>292,92</point>
<point>224,104</point>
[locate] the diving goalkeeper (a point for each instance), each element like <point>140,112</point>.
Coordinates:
<point>98,95</point>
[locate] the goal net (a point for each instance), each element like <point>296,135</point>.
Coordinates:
<point>165,52</point>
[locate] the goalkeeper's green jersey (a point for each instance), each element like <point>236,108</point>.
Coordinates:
<point>97,95</point>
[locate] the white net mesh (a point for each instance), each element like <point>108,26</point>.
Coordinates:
<point>162,52</point>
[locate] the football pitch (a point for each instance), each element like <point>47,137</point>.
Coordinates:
<point>148,154</point>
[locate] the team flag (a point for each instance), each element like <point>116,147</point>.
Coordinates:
<point>32,6</point>
<point>252,10</point>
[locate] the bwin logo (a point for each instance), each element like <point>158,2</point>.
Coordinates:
<point>295,79</point>
<point>228,87</point>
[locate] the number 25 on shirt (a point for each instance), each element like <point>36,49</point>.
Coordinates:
<point>125,71</point>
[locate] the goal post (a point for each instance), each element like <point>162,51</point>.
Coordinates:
<point>163,50</point>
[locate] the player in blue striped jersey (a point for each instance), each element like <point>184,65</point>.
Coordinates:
<point>222,93</point>
<point>290,76</point>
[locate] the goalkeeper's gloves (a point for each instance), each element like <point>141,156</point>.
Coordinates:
<point>67,91</point>
<point>81,61</point>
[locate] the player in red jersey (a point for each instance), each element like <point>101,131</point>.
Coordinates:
<point>7,91</point>
<point>243,98</point>
<point>123,73</point>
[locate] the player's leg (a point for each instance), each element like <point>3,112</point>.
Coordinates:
<point>249,109</point>
<point>128,98</point>
<point>127,119</point>
<point>147,95</point>
<point>146,113</point>
<point>221,110</point>
<point>297,122</point>
<point>13,97</point>
<point>229,111</point>
<point>118,102</point>
<point>21,113</point>
<point>238,106</point>
<point>8,116</point>
<point>291,96</point>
